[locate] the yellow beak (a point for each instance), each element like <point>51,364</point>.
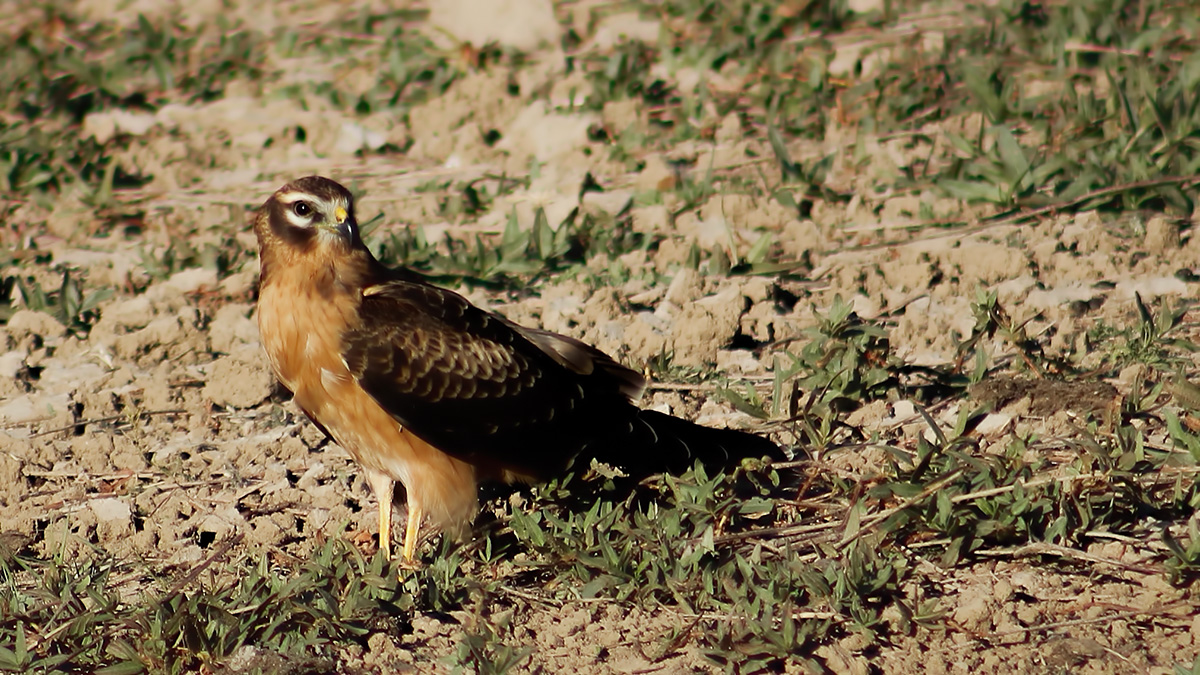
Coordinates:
<point>341,215</point>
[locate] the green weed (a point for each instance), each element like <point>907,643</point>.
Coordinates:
<point>74,309</point>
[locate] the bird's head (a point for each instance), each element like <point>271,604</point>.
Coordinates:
<point>309,215</point>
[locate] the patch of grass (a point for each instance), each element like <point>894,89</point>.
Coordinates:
<point>481,651</point>
<point>1151,341</point>
<point>80,615</point>
<point>60,69</point>
<point>991,320</point>
<point>224,257</point>
<point>845,357</point>
<point>406,68</point>
<point>1092,117</point>
<point>1114,113</point>
<point>73,308</point>
<point>518,255</point>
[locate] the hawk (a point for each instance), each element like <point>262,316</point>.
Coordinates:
<point>422,387</point>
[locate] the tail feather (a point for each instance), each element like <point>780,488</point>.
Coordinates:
<point>655,442</point>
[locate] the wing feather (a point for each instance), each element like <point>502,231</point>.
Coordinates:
<point>476,386</point>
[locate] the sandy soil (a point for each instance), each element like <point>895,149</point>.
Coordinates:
<point>187,440</point>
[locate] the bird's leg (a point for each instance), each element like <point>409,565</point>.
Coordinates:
<point>415,514</point>
<point>383,485</point>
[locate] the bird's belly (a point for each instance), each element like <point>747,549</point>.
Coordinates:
<point>304,348</point>
<point>444,487</point>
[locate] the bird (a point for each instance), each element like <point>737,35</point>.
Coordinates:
<point>423,388</point>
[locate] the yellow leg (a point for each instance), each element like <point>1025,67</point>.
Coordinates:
<point>415,514</point>
<point>385,528</point>
<point>383,485</point>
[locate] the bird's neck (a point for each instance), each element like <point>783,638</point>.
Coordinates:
<point>325,272</point>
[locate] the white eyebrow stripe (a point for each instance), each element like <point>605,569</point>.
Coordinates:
<point>293,197</point>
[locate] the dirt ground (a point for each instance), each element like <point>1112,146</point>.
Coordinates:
<point>161,431</point>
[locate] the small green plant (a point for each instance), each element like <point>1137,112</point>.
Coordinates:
<point>844,357</point>
<point>1184,562</point>
<point>1006,174</point>
<point>1151,341</point>
<point>482,652</point>
<point>57,82</point>
<point>223,257</point>
<point>991,319</point>
<point>519,253</point>
<point>663,367</point>
<point>517,256</point>
<point>1183,438</point>
<point>73,308</point>
<point>67,616</point>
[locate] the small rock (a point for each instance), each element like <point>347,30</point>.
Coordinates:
<point>975,609</point>
<point>869,416</point>
<point>656,175</point>
<point>26,322</point>
<point>756,289</point>
<point>624,27</point>
<point>35,408</point>
<point>11,363</point>
<point>110,509</point>
<point>621,115</point>
<point>192,280</point>
<point>994,424</point>
<point>132,313</point>
<point>730,131</point>
<point>684,288</point>
<point>611,203</point>
<point>708,233</point>
<point>738,362</point>
<point>103,126</point>
<point>706,325</point>
<point>239,380</point>
<point>311,477</point>
<point>651,219</point>
<point>354,137</point>
<point>1162,234</point>
<point>164,330</point>
<point>542,133</point>
<point>232,328</point>
<point>520,24</point>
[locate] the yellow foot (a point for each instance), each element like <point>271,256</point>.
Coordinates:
<point>412,531</point>
<point>383,485</point>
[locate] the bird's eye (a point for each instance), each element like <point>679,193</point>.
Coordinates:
<point>301,209</point>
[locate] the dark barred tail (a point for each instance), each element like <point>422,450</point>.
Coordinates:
<point>654,442</point>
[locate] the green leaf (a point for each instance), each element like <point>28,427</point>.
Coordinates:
<point>9,660</point>
<point>755,506</point>
<point>972,191</point>
<point>1012,155</point>
<point>740,403</point>
<point>981,84</point>
<point>1181,436</point>
<point>758,252</point>
<point>787,168</point>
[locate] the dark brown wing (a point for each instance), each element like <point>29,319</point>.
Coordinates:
<point>584,359</point>
<point>475,386</point>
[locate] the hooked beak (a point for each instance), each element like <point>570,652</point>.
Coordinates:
<point>342,225</point>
